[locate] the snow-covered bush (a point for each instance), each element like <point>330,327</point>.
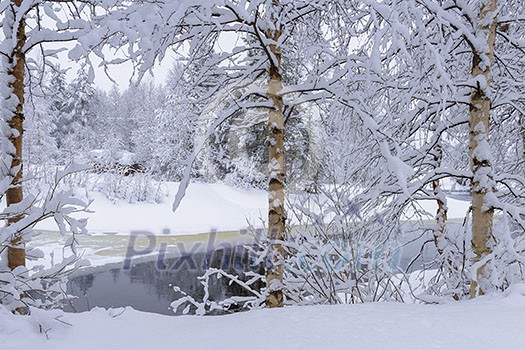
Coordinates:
<point>449,274</point>
<point>334,253</point>
<point>140,187</point>
<point>252,298</point>
<point>117,175</point>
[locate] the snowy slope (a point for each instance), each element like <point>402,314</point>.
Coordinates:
<point>205,207</point>
<point>486,323</point>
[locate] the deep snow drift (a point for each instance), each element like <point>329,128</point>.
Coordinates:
<point>485,323</point>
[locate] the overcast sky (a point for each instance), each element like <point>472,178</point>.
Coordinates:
<point>121,73</point>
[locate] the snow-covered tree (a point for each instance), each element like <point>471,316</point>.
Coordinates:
<point>27,25</point>
<point>436,70</point>
<point>173,127</point>
<point>40,148</point>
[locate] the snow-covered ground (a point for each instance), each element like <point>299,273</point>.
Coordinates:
<point>485,323</point>
<point>205,207</point>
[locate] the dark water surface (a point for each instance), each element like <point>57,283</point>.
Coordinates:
<point>147,284</point>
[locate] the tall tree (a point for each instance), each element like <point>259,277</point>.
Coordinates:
<point>276,161</point>
<point>27,25</point>
<point>40,146</point>
<point>460,80</point>
<point>16,70</point>
<point>174,126</point>
<point>483,184</point>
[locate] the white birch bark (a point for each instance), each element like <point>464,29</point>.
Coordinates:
<point>277,171</point>
<point>480,153</point>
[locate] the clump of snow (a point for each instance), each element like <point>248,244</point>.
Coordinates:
<point>121,157</point>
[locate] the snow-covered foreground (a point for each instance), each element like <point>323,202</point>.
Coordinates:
<point>485,323</point>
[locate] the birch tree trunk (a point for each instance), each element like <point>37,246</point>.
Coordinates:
<point>480,153</point>
<point>522,126</point>
<point>16,250</point>
<point>441,199</point>
<point>277,170</point>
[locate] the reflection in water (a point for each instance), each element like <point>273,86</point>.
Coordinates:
<point>148,284</point>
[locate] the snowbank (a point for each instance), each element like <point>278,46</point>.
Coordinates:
<point>485,323</point>
<point>205,207</point>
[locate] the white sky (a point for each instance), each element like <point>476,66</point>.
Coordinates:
<point>121,73</point>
